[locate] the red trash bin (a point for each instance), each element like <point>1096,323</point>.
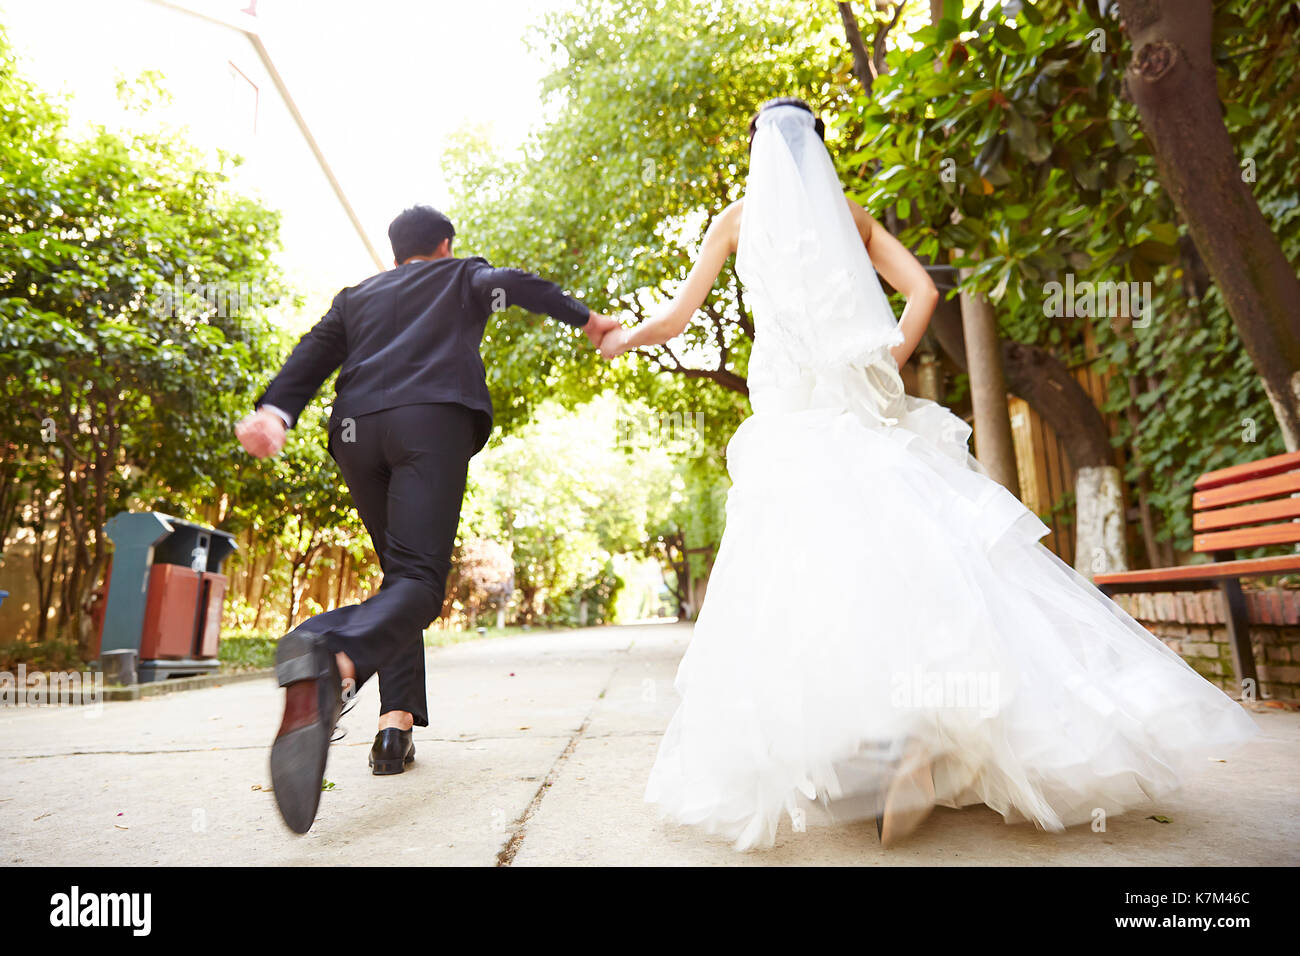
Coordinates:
<point>182,618</point>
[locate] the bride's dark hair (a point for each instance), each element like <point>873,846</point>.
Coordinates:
<point>786,101</point>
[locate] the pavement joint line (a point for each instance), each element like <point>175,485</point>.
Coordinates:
<point>206,750</point>
<point>507,855</point>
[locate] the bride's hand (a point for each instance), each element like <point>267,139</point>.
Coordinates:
<point>614,343</point>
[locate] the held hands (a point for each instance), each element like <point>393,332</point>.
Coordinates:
<point>607,334</point>
<point>598,326</point>
<point>261,433</point>
<point>615,343</point>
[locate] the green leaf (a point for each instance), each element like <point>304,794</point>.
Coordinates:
<point>1008,38</point>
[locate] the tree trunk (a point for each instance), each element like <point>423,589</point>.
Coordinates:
<point>1171,78</point>
<point>46,580</point>
<point>272,550</point>
<point>861,58</point>
<point>696,585</point>
<point>929,376</point>
<point>988,391</point>
<point>1156,556</point>
<point>293,594</point>
<point>1100,544</point>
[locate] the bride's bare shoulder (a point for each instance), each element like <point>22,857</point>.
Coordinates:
<point>727,223</point>
<point>861,218</point>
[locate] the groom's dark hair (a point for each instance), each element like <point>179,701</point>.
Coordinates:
<point>786,101</point>
<point>418,231</point>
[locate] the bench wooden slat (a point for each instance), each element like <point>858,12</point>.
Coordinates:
<point>1247,491</point>
<point>1222,529</point>
<point>1246,514</point>
<point>1251,469</point>
<point>1287,532</point>
<point>1208,573</point>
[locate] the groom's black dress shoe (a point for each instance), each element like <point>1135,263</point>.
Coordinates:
<point>392,751</point>
<point>313,695</point>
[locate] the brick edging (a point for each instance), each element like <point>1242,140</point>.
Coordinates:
<point>1276,607</point>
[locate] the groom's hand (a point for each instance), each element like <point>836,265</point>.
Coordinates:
<point>596,327</point>
<point>615,343</point>
<point>261,433</point>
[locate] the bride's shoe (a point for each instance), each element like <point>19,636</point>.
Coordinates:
<point>908,801</point>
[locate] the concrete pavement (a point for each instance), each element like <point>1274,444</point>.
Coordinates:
<point>536,754</point>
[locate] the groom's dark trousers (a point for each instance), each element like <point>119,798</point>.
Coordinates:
<point>405,468</point>
<point>411,408</point>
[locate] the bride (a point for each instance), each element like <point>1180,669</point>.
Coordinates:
<point>951,659</point>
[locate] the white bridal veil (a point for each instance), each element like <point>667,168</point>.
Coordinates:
<point>800,252</point>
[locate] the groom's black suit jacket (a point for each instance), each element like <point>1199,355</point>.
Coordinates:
<point>411,335</point>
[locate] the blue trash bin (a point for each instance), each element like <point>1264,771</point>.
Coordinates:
<point>148,542</point>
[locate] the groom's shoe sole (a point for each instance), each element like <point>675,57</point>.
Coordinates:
<point>382,768</point>
<point>313,691</point>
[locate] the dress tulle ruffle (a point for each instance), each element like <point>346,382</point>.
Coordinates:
<point>874,589</point>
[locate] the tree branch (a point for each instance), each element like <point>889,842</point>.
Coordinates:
<point>862,65</point>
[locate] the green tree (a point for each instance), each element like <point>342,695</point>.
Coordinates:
<point>1007,135</point>
<point>563,495</point>
<point>645,143</point>
<point>132,292</point>
<point>1173,78</point>
<point>295,506</point>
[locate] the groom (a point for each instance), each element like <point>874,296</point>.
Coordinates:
<point>411,408</point>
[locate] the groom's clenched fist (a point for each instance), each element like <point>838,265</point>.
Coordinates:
<point>261,433</point>
<point>596,327</point>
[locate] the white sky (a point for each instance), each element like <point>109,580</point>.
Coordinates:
<point>381,83</point>
<point>412,73</point>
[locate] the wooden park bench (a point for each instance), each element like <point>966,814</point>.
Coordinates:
<point>1245,506</point>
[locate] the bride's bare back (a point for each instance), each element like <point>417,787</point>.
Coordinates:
<point>892,260</point>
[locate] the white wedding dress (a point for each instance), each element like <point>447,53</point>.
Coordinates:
<point>874,589</point>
